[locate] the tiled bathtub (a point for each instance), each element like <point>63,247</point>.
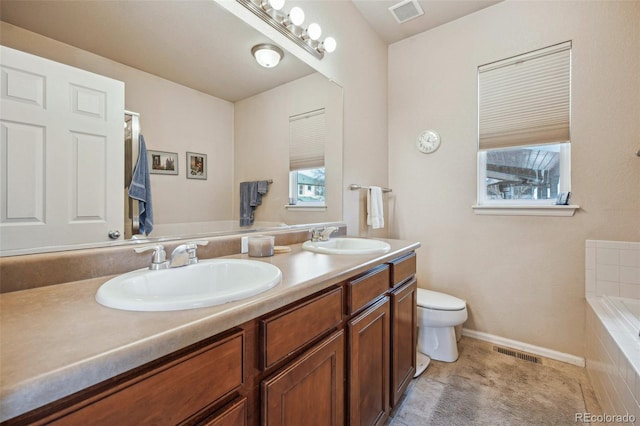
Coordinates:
<point>612,290</point>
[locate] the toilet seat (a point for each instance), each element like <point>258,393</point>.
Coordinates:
<point>429,299</point>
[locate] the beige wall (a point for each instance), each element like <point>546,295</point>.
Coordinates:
<point>523,277</point>
<point>173,118</point>
<point>262,146</point>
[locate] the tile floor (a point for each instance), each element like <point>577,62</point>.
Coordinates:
<point>486,387</point>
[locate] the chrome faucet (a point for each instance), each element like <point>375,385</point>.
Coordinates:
<point>185,254</point>
<point>322,234</point>
<point>159,257</point>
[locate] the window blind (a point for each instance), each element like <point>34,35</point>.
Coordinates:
<point>525,100</point>
<point>306,140</point>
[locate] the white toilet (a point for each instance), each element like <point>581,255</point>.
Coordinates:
<point>440,318</point>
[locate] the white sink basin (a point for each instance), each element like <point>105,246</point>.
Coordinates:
<point>207,283</point>
<point>347,246</point>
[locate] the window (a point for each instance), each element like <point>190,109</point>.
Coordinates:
<point>306,159</point>
<point>524,150</point>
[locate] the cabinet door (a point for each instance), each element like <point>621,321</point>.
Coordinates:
<point>369,365</point>
<point>310,390</point>
<point>403,338</point>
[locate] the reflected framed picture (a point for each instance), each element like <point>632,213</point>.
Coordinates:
<point>163,163</point>
<point>196,165</point>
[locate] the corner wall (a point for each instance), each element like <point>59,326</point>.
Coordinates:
<point>522,276</point>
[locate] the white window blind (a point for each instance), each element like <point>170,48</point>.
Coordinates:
<point>306,140</point>
<point>525,100</point>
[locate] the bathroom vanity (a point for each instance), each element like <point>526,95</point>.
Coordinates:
<point>334,343</point>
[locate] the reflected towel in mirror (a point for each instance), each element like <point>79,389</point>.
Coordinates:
<point>140,188</point>
<point>251,197</point>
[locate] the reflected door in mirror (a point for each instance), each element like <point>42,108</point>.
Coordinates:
<point>62,135</point>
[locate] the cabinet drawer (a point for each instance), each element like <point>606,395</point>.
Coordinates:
<point>292,329</point>
<point>233,414</point>
<point>363,290</point>
<point>402,268</point>
<point>170,393</point>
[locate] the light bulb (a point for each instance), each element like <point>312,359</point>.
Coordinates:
<point>328,45</point>
<point>272,4</point>
<point>314,31</point>
<point>296,16</point>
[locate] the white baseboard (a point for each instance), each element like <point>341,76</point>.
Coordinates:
<point>525,347</point>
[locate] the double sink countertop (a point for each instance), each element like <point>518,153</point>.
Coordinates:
<point>57,340</point>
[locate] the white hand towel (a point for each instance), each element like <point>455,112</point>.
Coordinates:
<point>375,208</point>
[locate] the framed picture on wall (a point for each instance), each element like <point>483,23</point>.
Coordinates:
<point>163,163</point>
<point>196,165</point>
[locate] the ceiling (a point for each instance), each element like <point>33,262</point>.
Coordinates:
<point>436,12</point>
<point>196,43</point>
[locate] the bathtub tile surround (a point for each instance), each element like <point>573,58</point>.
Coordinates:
<point>612,268</point>
<point>613,345</point>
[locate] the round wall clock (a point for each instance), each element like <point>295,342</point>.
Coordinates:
<point>428,141</point>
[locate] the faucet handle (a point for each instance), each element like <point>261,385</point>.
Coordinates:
<point>315,234</point>
<point>192,246</point>
<point>326,232</point>
<point>159,258</point>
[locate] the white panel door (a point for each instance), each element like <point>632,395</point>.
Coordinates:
<point>62,153</point>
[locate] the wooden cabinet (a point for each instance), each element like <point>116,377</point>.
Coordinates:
<point>368,369</point>
<point>170,391</point>
<point>403,338</point>
<point>310,390</point>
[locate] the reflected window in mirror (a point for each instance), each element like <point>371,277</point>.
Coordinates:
<point>524,150</point>
<point>306,159</point>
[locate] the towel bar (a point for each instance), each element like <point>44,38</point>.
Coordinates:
<point>353,187</point>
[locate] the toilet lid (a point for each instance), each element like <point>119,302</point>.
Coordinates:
<point>439,301</point>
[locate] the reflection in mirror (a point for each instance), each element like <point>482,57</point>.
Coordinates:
<point>187,86</point>
<point>131,134</point>
<point>307,173</point>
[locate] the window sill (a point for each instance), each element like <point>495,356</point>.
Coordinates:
<point>298,208</point>
<point>520,210</point>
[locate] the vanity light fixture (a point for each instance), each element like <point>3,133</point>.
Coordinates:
<point>289,25</point>
<point>267,55</point>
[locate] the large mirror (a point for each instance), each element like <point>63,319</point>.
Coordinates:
<point>190,76</point>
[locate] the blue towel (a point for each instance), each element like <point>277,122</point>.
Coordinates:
<point>251,197</point>
<point>140,189</point>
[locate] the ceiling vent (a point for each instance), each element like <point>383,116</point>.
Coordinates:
<point>406,10</point>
